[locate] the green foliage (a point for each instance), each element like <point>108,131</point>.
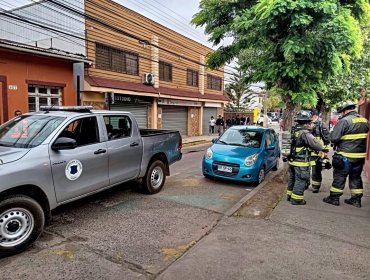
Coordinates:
<point>299,44</point>
<point>238,90</point>
<point>347,85</point>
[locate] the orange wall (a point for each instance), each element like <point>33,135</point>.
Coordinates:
<point>19,67</point>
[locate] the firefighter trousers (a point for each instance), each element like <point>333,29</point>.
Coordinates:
<point>299,178</point>
<point>316,176</point>
<point>353,171</point>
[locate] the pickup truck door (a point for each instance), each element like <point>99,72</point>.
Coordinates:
<point>84,169</point>
<point>124,147</point>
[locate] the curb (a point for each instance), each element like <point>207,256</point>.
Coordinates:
<point>195,143</point>
<point>247,197</point>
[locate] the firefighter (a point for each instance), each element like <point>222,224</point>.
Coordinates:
<point>300,161</point>
<point>321,132</point>
<point>349,137</point>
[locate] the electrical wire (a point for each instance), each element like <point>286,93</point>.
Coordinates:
<point>48,28</point>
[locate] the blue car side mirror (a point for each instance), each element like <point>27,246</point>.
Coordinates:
<point>214,140</point>
<point>270,147</point>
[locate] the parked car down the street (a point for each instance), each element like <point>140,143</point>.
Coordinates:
<point>52,157</point>
<point>260,119</point>
<point>242,154</point>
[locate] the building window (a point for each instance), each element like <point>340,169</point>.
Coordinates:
<point>43,96</point>
<point>112,59</point>
<point>165,71</point>
<point>192,78</point>
<point>214,82</point>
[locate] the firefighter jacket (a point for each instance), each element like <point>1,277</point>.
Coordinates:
<point>350,136</point>
<point>305,144</point>
<point>321,132</point>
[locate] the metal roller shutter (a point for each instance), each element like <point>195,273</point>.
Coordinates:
<point>140,112</point>
<point>207,113</point>
<point>175,118</point>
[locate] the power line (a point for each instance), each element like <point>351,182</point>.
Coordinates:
<point>52,29</point>
<point>125,33</point>
<point>81,38</point>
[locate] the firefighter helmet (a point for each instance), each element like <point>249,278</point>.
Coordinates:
<point>303,118</point>
<point>348,105</point>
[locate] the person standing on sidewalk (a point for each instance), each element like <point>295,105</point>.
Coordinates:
<point>349,137</point>
<point>321,132</point>
<point>212,123</point>
<point>219,125</point>
<point>300,162</point>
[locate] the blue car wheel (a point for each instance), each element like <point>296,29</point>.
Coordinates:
<point>261,175</point>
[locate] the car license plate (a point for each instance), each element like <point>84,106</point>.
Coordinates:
<point>225,168</point>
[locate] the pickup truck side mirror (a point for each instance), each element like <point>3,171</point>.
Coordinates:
<point>64,143</point>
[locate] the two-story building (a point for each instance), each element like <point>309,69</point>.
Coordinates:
<point>152,71</point>
<point>139,65</point>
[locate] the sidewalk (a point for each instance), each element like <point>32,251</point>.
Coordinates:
<point>315,241</point>
<point>196,140</point>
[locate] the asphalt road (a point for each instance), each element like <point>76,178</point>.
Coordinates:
<point>123,234</point>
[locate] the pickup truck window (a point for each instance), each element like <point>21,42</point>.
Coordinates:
<point>28,131</point>
<point>84,131</point>
<point>118,126</point>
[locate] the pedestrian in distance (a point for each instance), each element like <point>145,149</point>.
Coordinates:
<point>300,162</point>
<point>321,132</point>
<point>219,125</point>
<point>17,113</point>
<point>243,120</point>
<point>237,120</point>
<point>212,123</point>
<point>349,137</point>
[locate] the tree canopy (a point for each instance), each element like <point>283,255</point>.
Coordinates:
<point>298,44</point>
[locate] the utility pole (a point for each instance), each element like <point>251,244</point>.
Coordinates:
<point>265,118</point>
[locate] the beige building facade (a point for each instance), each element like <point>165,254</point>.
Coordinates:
<point>152,71</point>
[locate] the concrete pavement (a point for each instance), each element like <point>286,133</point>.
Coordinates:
<point>315,241</point>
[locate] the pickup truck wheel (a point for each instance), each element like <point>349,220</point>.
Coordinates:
<point>155,177</point>
<point>21,223</point>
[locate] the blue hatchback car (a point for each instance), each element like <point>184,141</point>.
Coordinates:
<point>243,153</point>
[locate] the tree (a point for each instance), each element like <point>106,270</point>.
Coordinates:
<point>349,84</point>
<point>299,44</point>
<point>238,90</point>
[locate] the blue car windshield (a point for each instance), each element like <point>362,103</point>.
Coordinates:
<point>241,137</point>
<point>28,131</point>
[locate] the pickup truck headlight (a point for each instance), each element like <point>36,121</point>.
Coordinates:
<point>209,153</point>
<point>249,161</point>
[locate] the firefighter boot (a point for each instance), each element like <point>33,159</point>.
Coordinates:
<point>334,200</point>
<point>354,201</point>
<point>298,202</point>
<point>288,197</point>
<point>315,190</point>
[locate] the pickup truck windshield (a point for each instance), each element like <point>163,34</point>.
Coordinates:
<point>28,131</point>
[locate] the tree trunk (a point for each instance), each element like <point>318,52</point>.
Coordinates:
<point>289,113</point>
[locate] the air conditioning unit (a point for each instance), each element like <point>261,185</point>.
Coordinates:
<point>149,79</point>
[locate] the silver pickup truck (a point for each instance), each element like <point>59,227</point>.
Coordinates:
<point>58,155</point>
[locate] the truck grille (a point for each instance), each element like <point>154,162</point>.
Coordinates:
<point>234,166</point>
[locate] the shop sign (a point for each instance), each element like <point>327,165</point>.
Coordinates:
<point>122,98</point>
<point>176,102</point>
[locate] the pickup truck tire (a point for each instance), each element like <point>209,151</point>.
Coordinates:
<point>155,177</point>
<point>21,223</point>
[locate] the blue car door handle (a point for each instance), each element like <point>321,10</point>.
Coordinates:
<point>134,144</point>
<point>100,151</point>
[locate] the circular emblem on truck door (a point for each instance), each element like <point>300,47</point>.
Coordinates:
<point>73,169</point>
